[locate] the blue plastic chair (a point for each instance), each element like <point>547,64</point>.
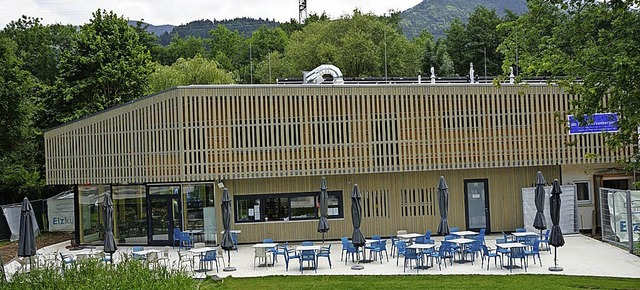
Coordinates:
<point>454,230</point>
<point>401,246</point>
<point>234,238</point>
<point>185,240</point>
<point>271,250</point>
<point>67,260</point>
<point>289,255</point>
<point>486,253</point>
<point>209,258</point>
<point>325,252</point>
<point>307,243</point>
<point>380,246</point>
<point>411,255</point>
<point>351,250</point>
<point>517,253</point>
<point>534,251</point>
<point>176,237</point>
<point>280,250</point>
<point>545,240</point>
<point>442,254</point>
<point>308,256</point>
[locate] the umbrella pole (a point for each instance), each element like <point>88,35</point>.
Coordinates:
<point>357,266</point>
<point>555,268</point>
<point>228,268</point>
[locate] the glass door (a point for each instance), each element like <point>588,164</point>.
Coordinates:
<point>476,200</point>
<point>164,214</point>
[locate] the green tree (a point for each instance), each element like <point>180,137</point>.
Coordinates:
<point>591,48</point>
<point>457,44</point>
<point>195,71</point>
<point>182,48</point>
<point>106,65</point>
<point>361,49</point>
<point>228,48</point>
<point>19,173</point>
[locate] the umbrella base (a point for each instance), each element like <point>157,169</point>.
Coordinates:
<point>357,267</point>
<point>555,269</point>
<point>229,269</point>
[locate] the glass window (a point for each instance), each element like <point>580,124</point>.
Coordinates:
<point>91,216</point>
<point>286,206</point>
<point>247,209</point>
<point>197,197</point>
<point>130,213</point>
<point>276,209</point>
<point>303,207</point>
<point>584,195</point>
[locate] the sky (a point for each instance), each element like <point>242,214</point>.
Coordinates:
<point>158,12</point>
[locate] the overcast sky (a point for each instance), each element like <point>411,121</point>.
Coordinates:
<point>178,12</point>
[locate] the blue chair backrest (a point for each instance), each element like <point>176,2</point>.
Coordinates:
<point>344,240</point>
<point>453,230</point>
<point>307,243</point>
<point>501,241</point>
<point>483,231</point>
<point>176,234</point>
<point>210,255</point>
<point>450,237</point>
<point>420,240</point>
<point>521,230</point>
<point>375,237</point>
<point>234,237</point>
<point>308,255</point>
<point>267,241</point>
<point>401,245</point>
<point>138,248</point>
<point>427,235</point>
<point>517,253</point>
<point>410,253</point>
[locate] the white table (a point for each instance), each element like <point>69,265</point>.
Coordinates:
<point>465,233</point>
<point>510,246</point>
<point>307,248</point>
<point>410,236</point>
<point>421,247</point>
<point>200,252</point>
<point>261,253</point>
<point>462,242</point>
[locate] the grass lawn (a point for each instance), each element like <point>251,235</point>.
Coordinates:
<point>424,282</point>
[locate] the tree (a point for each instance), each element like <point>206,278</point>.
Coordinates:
<point>106,65</point>
<point>19,174</point>
<point>359,49</point>
<point>457,46</point>
<point>589,47</point>
<point>194,71</point>
<point>180,47</point>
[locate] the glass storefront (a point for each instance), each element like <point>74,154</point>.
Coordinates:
<point>148,214</point>
<point>130,214</point>
<point>91,225</point>
<point>286,206</point>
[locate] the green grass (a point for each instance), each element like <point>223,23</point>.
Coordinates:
<point>424,282</point>
<point>134,275</point>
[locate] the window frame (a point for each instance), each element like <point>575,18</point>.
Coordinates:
<point>589,192</point>
<point>262,198</point>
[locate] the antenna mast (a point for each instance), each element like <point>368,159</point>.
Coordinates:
<point>302,9</point>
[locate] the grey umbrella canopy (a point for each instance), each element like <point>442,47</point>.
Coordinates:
<point>357,239</point>
<point>555,239</point>
<point>109,241</point>
<point>539,222</point>
<point>443,205</point>
<point>323,223</point>
<point>227,241</point>
<point>27,240</point>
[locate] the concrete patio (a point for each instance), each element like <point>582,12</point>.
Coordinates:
<point>581,255</point>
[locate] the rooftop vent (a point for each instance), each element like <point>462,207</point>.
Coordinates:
<point>325,73</point>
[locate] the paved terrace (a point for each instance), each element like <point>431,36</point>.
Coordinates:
<point>581,255</point>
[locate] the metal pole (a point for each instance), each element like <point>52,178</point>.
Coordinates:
<point>629,221</point>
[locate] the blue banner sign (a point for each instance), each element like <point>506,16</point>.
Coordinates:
<point>596,123</point>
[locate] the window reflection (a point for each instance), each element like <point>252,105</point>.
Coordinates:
<point>130,214</point>
<point>91,224</point>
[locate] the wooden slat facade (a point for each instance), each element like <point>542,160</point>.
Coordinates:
<point>393,140</point>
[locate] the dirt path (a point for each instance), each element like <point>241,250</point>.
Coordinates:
<point>10,250</point>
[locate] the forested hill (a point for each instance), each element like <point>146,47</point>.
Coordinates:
<point>200,28</point>
<point>436,15</point>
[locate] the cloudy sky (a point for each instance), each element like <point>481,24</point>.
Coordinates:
<point>178,12</point>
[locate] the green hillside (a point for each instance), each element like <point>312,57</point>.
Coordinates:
<point>200,28</point>
<point>435,15</point>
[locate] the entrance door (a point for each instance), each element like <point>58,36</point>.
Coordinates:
<point>476,201</point>
<point>164,214</point>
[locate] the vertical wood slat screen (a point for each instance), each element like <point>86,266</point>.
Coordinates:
<point>375,203</point>
<point>202,133</point>
<point>418,202</point>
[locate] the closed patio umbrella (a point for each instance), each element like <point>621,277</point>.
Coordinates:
<point>555,239</point>
<point>323,223</point>
<point>539,222</point>
<point>443,205</point>
<point>227,242</point>
<point>27,239</point>
<point>109,241</point>
<point>356,215</point>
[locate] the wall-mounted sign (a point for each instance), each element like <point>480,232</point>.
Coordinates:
<point>596,123</point>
